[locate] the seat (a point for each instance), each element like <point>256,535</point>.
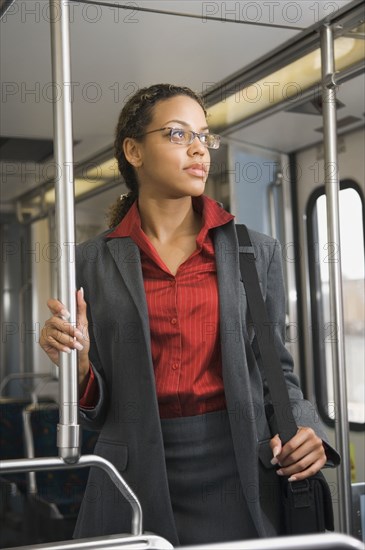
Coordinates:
<point>12,444</point>
<point>11,435</point>
<point>13,487</point>
<point>54,496</point>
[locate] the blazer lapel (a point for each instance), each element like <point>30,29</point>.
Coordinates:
<point>127,258</point>
<point>232,295</point>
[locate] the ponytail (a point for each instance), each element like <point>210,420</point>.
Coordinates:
<point>120,207</point>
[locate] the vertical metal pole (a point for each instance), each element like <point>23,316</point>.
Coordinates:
<point>335,275</point>
<point>68,430</point>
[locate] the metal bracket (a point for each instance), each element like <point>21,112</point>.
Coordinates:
<point>330,81</point>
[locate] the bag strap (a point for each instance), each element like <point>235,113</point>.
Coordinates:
<point>273,371</point>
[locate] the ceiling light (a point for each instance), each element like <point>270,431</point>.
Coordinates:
<point>286,84</point>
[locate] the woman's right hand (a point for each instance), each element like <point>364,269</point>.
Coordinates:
<point>58,335</point>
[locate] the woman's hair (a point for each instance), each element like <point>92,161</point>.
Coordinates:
<point>136,115</point>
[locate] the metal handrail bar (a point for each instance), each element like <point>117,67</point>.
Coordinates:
<point>57,463</point>
<point>330,541</point>
<point>272,209</point>
<point>111,542</point>
<point>322,541</point>
<point>332,188</point>
<point>68,428</point>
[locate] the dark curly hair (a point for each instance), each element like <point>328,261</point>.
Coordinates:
<point>135,116</point>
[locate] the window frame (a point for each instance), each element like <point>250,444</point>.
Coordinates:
<point>319,373</point>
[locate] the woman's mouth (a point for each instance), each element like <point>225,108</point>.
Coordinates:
<point>197,170</point>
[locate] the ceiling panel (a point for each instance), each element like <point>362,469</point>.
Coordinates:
<point>114,52</point>
<point>300,129</point>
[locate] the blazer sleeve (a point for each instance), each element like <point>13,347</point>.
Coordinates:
<point>304,412</point>
<point>92,418</point>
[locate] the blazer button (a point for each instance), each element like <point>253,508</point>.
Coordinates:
<point>175,366</point>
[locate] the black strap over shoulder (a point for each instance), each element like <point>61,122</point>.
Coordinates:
<point>306,504</point>
<point>264,330</point>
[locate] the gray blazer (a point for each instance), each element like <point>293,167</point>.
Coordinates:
<point>127,411</point>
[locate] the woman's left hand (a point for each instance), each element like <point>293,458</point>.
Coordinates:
<point>302,456</point>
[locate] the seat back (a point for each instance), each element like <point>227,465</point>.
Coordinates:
<point>12,443</point>
<point>62,489</point>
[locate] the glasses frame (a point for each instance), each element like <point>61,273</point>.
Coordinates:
<point>193,135</point>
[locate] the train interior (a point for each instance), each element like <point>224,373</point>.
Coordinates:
<point>258,66</point>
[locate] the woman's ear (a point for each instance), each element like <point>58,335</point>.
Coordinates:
<point>132,152</point>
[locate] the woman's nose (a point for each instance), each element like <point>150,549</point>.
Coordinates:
<point>197,147</point>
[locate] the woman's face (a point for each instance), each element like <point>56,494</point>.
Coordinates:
<point>171,170</point>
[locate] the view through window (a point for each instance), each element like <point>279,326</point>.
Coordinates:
<point>352,260</point>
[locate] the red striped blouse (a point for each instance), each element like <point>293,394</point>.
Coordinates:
<point>184,318</point>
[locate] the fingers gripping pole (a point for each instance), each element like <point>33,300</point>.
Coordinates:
<point>68,430</point>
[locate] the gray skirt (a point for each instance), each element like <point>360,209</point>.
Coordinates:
<point>206,493</point>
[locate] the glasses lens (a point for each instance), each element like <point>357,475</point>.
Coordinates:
<point>179,136</point>
<point>212,141</point>
<point>184,137</point>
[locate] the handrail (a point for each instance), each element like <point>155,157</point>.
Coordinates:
<point>330,541</point>
<point>111,542</point>
<point>332,188</point>
<point>57,463</point>
<point>272,210</point>
<point>323,541</point>
<point>68,429</point>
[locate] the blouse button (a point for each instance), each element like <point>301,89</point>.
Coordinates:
<point>173,321</point>
<point>175,366</point>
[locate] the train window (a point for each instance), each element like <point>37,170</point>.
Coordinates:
<point>321,254</point>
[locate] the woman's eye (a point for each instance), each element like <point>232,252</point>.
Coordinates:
<point>179,133</point>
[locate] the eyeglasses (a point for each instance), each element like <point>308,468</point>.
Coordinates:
<point>186,137</point>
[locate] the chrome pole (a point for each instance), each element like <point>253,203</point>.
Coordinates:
<point>274,185</point>
<point>335,275</point>
<point>68,430</point>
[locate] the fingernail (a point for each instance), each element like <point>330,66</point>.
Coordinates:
<point>292,478</point>
<point>67,350</point>
<point>79,333</point>
<point>280,472</point>
<point>65,314</point>
<point>276,451</point>
<point>82,291</point>
<point>78,346</point>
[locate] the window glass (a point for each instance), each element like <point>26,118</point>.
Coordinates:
<point>352,261</point>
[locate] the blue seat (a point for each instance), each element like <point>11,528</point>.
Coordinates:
<point>63,490</point>
<point>13,487</point>
<point>12,443</point>
<point>55,496</point>
<point>11,436</point>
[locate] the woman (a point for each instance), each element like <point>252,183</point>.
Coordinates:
<point>168,366</point>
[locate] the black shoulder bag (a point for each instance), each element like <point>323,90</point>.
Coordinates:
<point>307,504</point>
